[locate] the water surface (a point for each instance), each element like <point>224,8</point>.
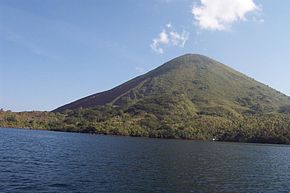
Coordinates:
<point>45,161</point>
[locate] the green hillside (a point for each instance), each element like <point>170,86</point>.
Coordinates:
<point>203,85</point>
<point>189,97</point>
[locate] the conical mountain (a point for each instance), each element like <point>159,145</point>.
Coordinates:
<point>191,83</point>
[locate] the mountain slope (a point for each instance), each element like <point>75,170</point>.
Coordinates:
<point>205,86</point>
<point>189,97</point>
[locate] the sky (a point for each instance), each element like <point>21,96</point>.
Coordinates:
<point>53,52</point>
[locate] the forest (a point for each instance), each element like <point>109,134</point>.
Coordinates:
<point>108,120</point>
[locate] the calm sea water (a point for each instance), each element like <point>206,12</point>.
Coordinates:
<point>44,161</point>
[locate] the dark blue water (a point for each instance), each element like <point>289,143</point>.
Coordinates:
<point>44,161</point>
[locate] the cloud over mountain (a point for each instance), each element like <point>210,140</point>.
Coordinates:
<point>169,37</point>
<point>221,14</point>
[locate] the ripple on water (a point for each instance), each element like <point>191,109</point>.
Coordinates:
<point>43,161</point>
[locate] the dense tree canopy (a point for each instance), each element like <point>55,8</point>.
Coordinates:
<point>269,128</point>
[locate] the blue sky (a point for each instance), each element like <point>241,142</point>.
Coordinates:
<point>56,51</point>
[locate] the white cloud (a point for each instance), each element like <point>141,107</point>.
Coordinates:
<point>161,39</point>
<point>169,25</point>
<point>139,69</point>
<point>179,39</point>
<point>221,14</point>
<point>168,37</point>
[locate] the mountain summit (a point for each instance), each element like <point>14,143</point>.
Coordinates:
<point>193,82</point>
<point>189,97</point>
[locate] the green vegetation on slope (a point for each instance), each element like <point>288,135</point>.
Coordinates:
<point>206,83</point>
<point>270,128</point>
<point>190,97</point>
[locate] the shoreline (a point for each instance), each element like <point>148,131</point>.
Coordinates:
<point>148,137</point>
